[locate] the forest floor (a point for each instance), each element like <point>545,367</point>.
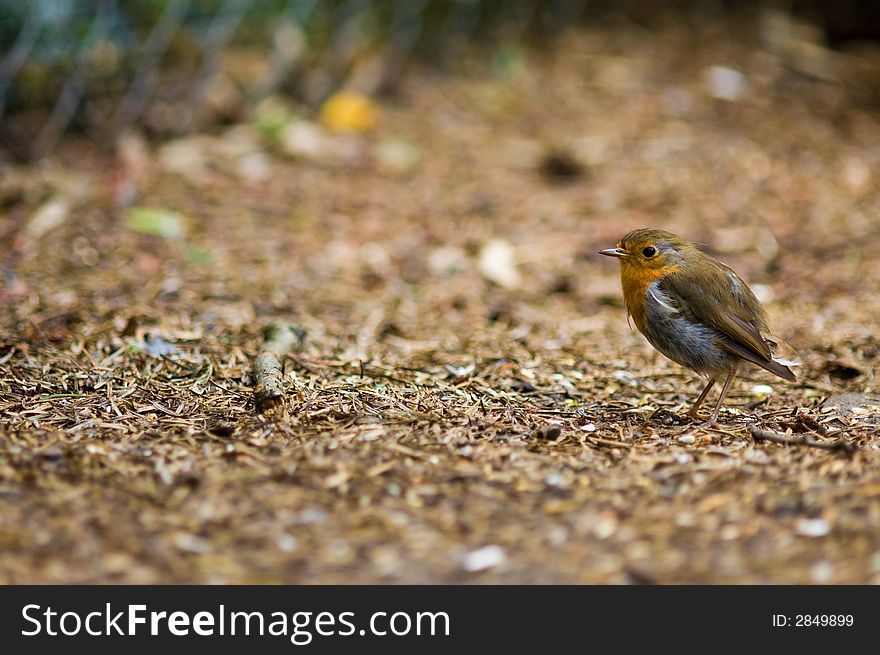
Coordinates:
<point>468,403</point>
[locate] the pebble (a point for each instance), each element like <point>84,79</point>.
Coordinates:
<point>605,526</point>
<point>813,527</point>
<point>761,390</point>
<point>725,83</point>
<point>497,263</point>
<point>555,480</point>
<point>822,572</point>
<point>191,543</point>
<point>286,543</point>
<point>687,438</point>
<point>483,558</point>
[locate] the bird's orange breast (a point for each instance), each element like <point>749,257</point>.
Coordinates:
<point>635,281</point>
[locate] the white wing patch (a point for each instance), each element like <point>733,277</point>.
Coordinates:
<point>661,299</point>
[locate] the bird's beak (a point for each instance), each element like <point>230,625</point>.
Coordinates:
<point>614,252</point>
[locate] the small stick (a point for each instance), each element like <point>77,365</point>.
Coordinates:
<point>803,440</point>
<point>611,443</point>
<point>279,340</point>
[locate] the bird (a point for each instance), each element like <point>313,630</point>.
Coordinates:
<point>696,311</point>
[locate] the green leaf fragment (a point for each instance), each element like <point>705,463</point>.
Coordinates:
<point>160,222</point>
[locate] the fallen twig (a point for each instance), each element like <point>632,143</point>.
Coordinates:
<point>280,339</point>
<point>611,443</point>
<point>801,440</point>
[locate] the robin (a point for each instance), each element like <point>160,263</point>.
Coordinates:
<point>696,311</point>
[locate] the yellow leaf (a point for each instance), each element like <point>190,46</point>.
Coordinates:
<point>346,111</point>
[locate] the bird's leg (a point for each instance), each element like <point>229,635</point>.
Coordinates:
<point>724,390</point>
<point>693,410</point>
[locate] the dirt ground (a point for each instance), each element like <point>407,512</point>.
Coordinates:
<point>469,403</point>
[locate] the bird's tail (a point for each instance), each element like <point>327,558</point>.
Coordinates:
<point>784,357</point>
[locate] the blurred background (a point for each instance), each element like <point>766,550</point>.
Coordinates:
<point>421,188</point>
<point>100,66</point>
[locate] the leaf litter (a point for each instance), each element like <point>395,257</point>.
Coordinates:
<point>468,402</point>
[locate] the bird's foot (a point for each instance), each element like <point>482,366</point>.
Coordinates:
<point>705,425</point>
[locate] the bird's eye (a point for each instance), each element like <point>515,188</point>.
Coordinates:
<point>649,252</point>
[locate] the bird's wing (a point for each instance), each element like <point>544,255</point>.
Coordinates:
<point>706,299</point>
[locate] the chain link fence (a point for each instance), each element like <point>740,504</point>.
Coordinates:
<point>172,66</point>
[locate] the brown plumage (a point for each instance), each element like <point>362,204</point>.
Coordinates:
<point>696,310</point>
